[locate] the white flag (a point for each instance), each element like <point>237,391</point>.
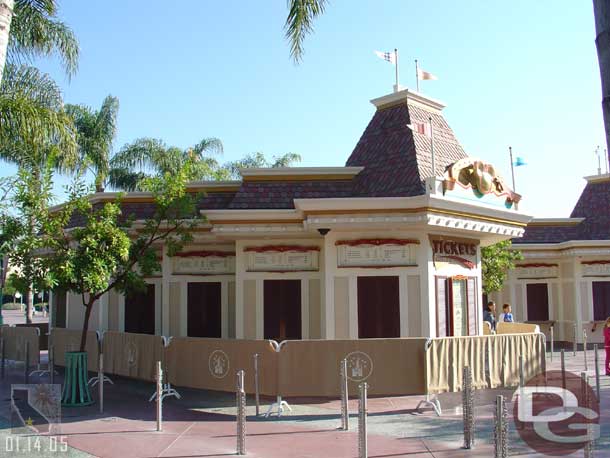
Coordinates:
<point>421,128</point>
<point>422,75</point>
<point>387,56</point>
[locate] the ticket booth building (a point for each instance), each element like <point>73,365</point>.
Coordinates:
<point>384,246</point>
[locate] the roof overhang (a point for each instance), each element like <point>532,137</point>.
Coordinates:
<point>299,173</point>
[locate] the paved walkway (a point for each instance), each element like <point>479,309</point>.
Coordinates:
<point>18,317</point>
<point>203,424</point>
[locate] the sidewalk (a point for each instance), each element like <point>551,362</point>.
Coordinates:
<point>203,424</point>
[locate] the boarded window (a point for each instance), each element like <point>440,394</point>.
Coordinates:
<point>378,307</point>
<point>59,309</point>
<point>601,300</point>
<point>140,311</point>
<point>282,312</point>
<point>537,302</point>
<point>204,310</point>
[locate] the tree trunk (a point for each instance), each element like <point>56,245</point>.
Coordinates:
<point>29,304</point>
<point>601,9</point>
<point>6,15</point>
<point>83,336</point>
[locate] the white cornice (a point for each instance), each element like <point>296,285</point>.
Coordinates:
<point>408,95</point>
<point>250,215</point>
<point>598,178</point>
<point>556,221</point>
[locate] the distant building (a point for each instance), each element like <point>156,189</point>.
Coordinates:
<point>382,247</point>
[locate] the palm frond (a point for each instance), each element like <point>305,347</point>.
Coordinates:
<point>37,32</point>
<point>210,145</point>
<point>285,160</point>
<point>299,23</point>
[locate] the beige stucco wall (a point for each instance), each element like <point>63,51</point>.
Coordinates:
<point>341,308</point>
<point>231,309</point>
<point>414,300</point>
<point>113,310</point>
<point>315,309</point>
<point>249,309</point>
<point>174,308</point>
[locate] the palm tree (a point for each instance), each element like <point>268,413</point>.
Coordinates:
<point>148,157</point>
<point>299,23</point>
<point>96,131</point>
<point>30,29</point>
<point>258,159</point>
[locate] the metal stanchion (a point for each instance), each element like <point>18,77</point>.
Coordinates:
<point>100,376</point>
<point>51,356</point>
<point>596,359</point>
<point>344,396</point>
<point>256,392</point>
<point>584,349</point>
<point>26,365</point>
<point>586,400</point>
<point>575,339</point>
<point>159,397</point>
<point>521,372</point>
<point>552,342</point>
<point>468,409</point>
<point>563,368</point>
<point>501,428</point>
<point>241,414</point>
<point>363,451</point>
<point>2,353</point>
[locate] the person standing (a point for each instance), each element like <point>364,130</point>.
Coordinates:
<point>507,314</point>
<point>489,315</point>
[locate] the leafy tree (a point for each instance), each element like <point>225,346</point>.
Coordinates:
<point>149,157</point>
<point>96,131</point>
<point>109,251</point>
<point>22,231</point>
<point>259,160</point>
<point>496,261</point>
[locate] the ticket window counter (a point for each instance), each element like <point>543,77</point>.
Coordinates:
<point>456,306</point>
<point>537,296</point>
<point>378,307</point>
<point>282,309</point>
<point>140,311</point>
<point>204,309</point>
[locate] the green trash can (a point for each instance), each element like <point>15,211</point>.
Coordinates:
<point>76,389</point>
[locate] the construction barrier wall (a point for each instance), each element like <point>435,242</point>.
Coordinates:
<point>63,340</point>
<point>15,339</point>
<point>516,328</point>
<point>401,366</point>
<point>389,366</point>
<point>211,364</point>
<point>132,355</point>
<point>44,332</point>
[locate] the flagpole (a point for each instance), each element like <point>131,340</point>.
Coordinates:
<point>432,147</point>
<point>396,57</point>
<point>416,76</point>
<point>512,167</point>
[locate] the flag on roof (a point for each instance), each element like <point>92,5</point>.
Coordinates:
<point>423,75</point>
<point>387,56</point>
<point>421,128</point>
<point>519,162</point>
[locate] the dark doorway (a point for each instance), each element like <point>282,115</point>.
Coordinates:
<point>282,309</point>
<point>140,311</point>
<point>59,309</point>
<point>601,300</point>
<point>204,310</point>
<point>378,307</point>
<point>537,302</point>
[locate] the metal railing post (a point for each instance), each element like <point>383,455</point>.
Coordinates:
<point>2,354</point>
<point>100,375</point>
<point>552,342</point>
<point>468,409</point>
<point>584,349</point>
<point>159,397</point>
<point>586,400</point>
<point>563,368</point>
<point>241,414</point>
<point>256,389</point>
<point>344,396</point>
<point>596,358</point>
<point>501,428</point>
<point>51,356</point>
<point>575,339</point>
<point>363,451</point>
<point>27,362</point>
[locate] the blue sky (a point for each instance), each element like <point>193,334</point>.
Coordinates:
<point>521,73</point>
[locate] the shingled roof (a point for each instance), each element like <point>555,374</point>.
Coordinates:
<point>396,160</point>
<point>593,205</point>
